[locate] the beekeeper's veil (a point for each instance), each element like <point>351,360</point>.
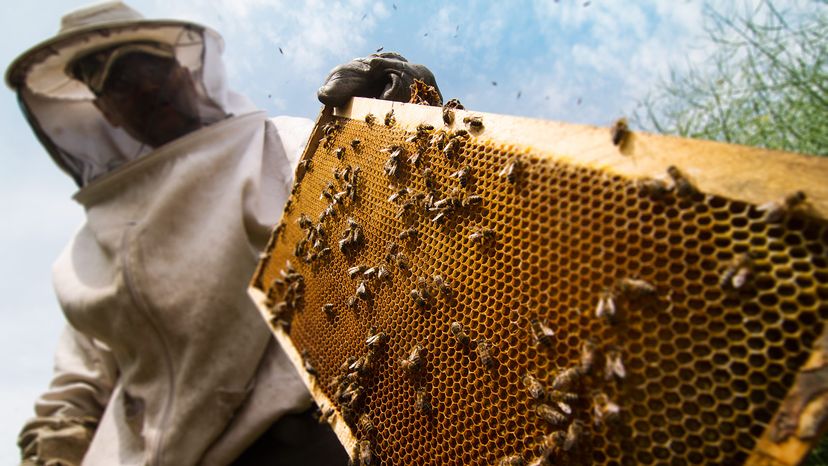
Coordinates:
<point>60,108</point>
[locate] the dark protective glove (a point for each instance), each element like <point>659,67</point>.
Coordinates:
<point>386,76</point>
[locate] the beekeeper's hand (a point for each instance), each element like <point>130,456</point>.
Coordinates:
<point>386,76</point>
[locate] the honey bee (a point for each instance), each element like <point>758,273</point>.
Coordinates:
<point>362,365</point>
<point>448,116</point>
<point>307,363</point>
<point>376,340</point>
<point>366,425</point>
<point>614,366</point>
<point>459,333</point>
<point>418,297</point>
<point>513,460</point>
<point>353,272</point>
<point>485,354</point>
<point>549,414</point>
<point>369,273</point>
<point>738,272</point>
<point>512,171</point>
<point>328,309</point>
<point>302,167</point>
<point>362,291</point>
<point>366,457</point>
<point>325,415</point>
<point>604,409</point>
<point>550,445</point>
<point>414,362</point>
<point>541,333</point>
<point>279,228</point>
<point>681,184</point>
<point>573,434</point>
<point>355,143</point>
<point>536,389</point>
<point>339,152</point>
<point>475,123</point>
<point>389,118</point>
<point>441,284</point>
<point>398,194</point>
<point>462,175</point>
<point>428,179</point>
<point>352,302</point>
<point>606,306</point>
<point>422,401</point>
<point>451,148</point>
<point>652,187</point>
<point>370,119</point>
<point>304,222</point>
<point>410,233</point>
<point>473,200</point>
<point>619,132</point>
<point>566,378</point>
<point>439,218</point>
<point>402,261</point>
<point>635,288</point>
<point>775,210</point>
<point>587,356</point>
<point>483,236</point>
<point>563,400</point>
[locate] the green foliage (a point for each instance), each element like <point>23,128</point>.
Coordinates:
<point>766,82</point>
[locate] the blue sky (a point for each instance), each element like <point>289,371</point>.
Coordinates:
<point>577,61</point>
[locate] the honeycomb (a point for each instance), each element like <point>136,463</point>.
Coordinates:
<point>568,315</point>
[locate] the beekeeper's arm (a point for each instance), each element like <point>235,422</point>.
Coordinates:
<point>68,412</point>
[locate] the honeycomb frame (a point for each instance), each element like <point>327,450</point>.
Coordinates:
<point>711,375</point>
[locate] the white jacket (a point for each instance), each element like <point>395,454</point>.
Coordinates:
<point>165,348</point>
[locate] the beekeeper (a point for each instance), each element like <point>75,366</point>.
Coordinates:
<point>165,361</point>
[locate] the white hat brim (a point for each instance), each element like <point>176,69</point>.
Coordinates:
<point>42,68</point>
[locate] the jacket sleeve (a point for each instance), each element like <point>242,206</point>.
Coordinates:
<point>67,414</point>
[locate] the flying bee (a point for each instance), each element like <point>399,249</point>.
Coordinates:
<point>775,210</point>
<point>738,272</point>
<point>604,409</point>
<point>459,333</point>
<point>483,237</point>
<point>566,378</point>
<point>536,389</point>
<point>606,306</point>
<point>328,309</point>
<point>513,460</point>
<point>339,152</point>
<point>414,362</point>
<point>307,363</point>
<point>362,292</point>
<point>681,184</point>
<point>573,434</point>
<point>485,354</point>
<point>422,401</point>
<point>355,143</point>
<point>541,333</point>
<point>366,425</point>
<point>653,187</point>
<point>370,119</point>
<point>619,132</point>
<point>475,123</point>
<point>410,233</point>
<point>634,288</point>
<point>614,366</point>
<point>551,415</point>
<point>451,148</point>
<point>512,171</point>
<point>389,118</point>
<point>587,356</point>
<point>462,175</point>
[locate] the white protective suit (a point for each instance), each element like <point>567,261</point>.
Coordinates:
<point>165,351</point>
